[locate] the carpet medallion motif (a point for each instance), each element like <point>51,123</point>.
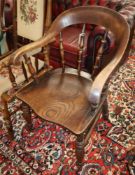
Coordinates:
<point>48,149</point>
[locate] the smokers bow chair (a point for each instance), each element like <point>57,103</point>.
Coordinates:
<point>71,97</point>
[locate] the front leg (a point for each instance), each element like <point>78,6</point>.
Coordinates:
<point>27,114</point>
<point>5,98</point>
<point>80,150</point>
<point>105,110</point>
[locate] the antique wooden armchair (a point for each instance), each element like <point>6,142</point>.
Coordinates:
<point>65,96</point>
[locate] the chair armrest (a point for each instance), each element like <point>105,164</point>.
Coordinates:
<point>15,58</point>
<point>102,78</point>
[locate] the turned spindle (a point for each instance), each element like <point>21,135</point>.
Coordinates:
<point>97,64</point>
<point>81,47</point>
<point>62,52</point>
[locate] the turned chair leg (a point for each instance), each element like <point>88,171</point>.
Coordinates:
<point>6,113</point>
<point>27,115</point>
<point>105,110</point>
<point>80,150</point>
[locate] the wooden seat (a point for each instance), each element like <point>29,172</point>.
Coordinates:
<point>71,97</point>
<point>62,98</point>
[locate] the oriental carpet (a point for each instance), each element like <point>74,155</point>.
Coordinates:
<point>48,149</point>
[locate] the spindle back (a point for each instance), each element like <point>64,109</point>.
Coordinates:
<point>105,17</point>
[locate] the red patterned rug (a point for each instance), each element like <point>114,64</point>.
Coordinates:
<point>49,149</point>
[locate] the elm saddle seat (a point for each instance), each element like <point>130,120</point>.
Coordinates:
<point>71,97</point>
<point>62,98</point>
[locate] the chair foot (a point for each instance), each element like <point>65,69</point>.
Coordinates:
<point>80,150</point>
<point>27,115</point>
<point>105,110</point>
<point>10,134</point>
<point>6,114</point>
<point>7,119</point>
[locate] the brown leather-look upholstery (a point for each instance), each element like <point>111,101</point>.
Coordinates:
<point>70,44</point>
<point>125,8</point>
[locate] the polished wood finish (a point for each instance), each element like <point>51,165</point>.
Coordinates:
<point>97,64</point>
<point>81,47</point>
<point>80,149</point>
<point>65,97</point>
<point>105,110</point>
<point>62,52</point>
<point>12,78</point>
<point>61,98</point>
<point>5,98</point>
<point>47,24</point>
<point>30,66</point>
<point>24,72</point>
<point>26,114</point>
<point>46,55</point>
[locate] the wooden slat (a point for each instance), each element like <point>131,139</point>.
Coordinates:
<point>97,64</point>
<point>12,78</point>
<point>46,56</point>
<point>37,64</point>
<point>62,52</point>
<point>81,47</point>
<point>30,67</point>
<point>24,72</point>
